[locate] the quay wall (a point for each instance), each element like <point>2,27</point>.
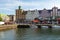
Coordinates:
<point>14,26</point>
<point>31,25</point>
<point>6,27</point>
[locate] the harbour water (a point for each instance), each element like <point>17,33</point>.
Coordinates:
<point>31,34</point>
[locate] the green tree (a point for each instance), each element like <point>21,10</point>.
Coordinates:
<point>0,19</point>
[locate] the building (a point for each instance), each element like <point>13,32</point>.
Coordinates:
<point>11,18</point>
<point>44,13</point>
<point>32,14</point>
<point>20,16</point>
<point>54,12</point>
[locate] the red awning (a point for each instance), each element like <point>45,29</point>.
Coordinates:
<point>35,20</point>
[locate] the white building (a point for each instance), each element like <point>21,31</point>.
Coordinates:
<point>32,14</point>
<point>54,11</point>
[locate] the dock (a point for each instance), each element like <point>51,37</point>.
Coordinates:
<point>14,26</point>
<point>38,25</point>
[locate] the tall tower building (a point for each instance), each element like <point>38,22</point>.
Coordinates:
<point>20,16</point>
<point>54,11</point>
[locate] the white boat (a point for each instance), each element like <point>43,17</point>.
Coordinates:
<point>56,26</point>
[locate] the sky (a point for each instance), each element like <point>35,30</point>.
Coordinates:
<point>9,6</point>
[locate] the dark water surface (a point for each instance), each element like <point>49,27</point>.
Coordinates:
<point>31,34</point>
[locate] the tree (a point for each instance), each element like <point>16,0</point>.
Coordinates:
<point>0,19</point>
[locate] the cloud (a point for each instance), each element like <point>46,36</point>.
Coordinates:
<point>40,5</point>
<point>12,5</point>
<point>6,9</point>
<point>8,6</point>
<point>35,4</point>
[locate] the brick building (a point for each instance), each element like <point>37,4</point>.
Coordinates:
<point>20,15</point>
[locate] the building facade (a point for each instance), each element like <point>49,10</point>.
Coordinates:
<point>54,12</point>
<point>20,16</point>
<point>11,18</point>
<point>44,13</point>
<point>31,14</point>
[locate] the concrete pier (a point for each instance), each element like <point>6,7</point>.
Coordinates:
<point>13,26</point>
<point>38,25</point>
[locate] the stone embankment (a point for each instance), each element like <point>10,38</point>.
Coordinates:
<point>6,27</point>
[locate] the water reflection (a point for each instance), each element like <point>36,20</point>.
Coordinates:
<point>2,35</point>
<point>38,34</point>
<point>31,34</point>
